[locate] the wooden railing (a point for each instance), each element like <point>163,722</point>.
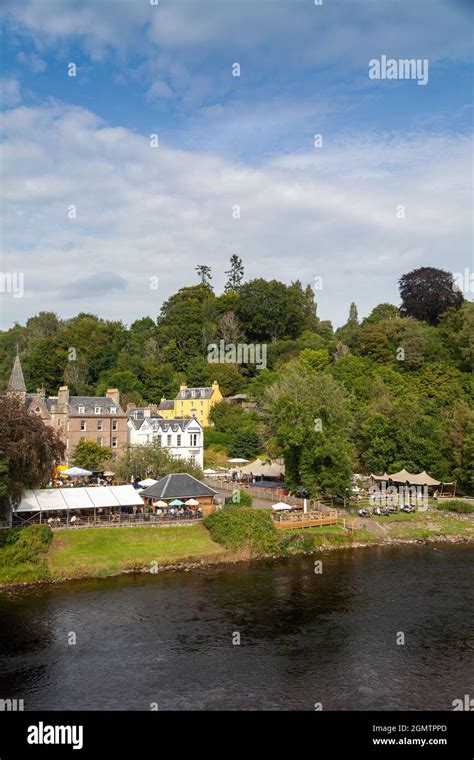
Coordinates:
<point>293,520</point>
<point>268,494</point>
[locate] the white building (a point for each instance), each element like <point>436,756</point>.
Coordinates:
<point>183,439</point>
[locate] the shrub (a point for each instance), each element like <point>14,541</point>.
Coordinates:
<point>241,498</point>
<point>25,545</point>
<point>456,505</point>
<point>240,527</point>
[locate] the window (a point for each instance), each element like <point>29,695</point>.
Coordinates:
<point>114,425</point>
<point>81,409</point>
<point>59,422</point>
<point>179,440</point>
<point>193,394</point>
<point>97,409</point>
<point>192,459</point>
<point>114,442</point>
<point>113,410</point>
<point>100,441</point>
<point>183,394</point>
<point>100,424</point>
<point>37,409</point>
<point>168,440</point>
<point>194,439</point>
<point>83,425</point>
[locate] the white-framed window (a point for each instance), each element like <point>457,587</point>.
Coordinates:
<point>168,440</point>
<point>113,410</point>
<point>178,440</point>
<point>100,424</point>
<point>83,425</point>
<point>97,410</point>
<point>203,393</point>
<point>183,394</point>
<point>114,424</point>
<point>81,409</point>
<point>194,439</point>
<point>114,442</point>
<point>193,394</point>
<point>100,441</point>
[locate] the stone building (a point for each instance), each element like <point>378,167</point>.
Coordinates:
<point>95,418</point>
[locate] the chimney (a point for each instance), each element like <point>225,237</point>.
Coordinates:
<point>40,393</point>
<point>183,387</point>
<point>130,406</point>
<point>63,397</point>
<point>215,384</point>
<point>147,412</point>
<point>114,394</point>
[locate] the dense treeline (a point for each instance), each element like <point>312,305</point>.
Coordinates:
<point>393,390</point>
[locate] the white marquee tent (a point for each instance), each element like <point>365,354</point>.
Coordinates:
<point>48,499</point>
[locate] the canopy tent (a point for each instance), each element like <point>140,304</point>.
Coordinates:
<point>264,469</point>
<point>281,507</point>
<point>76,472</point>
<point>414,479</point>
<point>50,499</point>
<point>147,482</point>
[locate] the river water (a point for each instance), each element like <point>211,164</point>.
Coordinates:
<point>170,640</point>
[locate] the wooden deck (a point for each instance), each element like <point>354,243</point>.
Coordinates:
<point>296,520</point>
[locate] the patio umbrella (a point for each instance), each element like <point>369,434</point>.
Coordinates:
<point>237,460</point>
<point>191,503</point>
<point>280,507</point>
<point>176,503</point>
<point>160,504</point>
<point>210,472</point>
<point>147,482</point>
<point>76,472</point>
<point>108,474</point>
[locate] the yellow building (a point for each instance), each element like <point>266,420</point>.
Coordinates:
<point>191,402</point>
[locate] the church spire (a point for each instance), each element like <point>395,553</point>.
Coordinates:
<point>16,384</point>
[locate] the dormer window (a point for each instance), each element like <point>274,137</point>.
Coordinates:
<point>97,410</point>
<point>81,409</point>
<point>193,394</point>
<point>113,410</point>
<point>183,394</point>
<point>203,393</point>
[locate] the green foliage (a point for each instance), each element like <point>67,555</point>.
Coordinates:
<point>149,460</point>
<point>246,444</point>
<point>455,505</point>
<point>90,455</point>
<point>22,553</point>
<point>240,527</point>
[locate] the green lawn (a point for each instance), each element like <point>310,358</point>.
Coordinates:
<point>107,551</point>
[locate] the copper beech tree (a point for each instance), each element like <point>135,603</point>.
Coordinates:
<point>29,452</point>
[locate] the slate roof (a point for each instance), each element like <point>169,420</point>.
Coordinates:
<point>17,381</point>
<point>199,393</point>
<point>178,486</point>
<point>89,402</point>
<point>166,404</point>
<point>159,424</point>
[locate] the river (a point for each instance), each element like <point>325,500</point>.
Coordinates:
<point>170,640</point>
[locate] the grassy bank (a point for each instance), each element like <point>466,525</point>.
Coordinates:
<point>36,554</point>
<point>99,552</point>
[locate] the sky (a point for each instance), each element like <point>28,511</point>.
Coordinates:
<point>117,182</point>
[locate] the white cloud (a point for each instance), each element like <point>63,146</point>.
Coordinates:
<point>144,212</point>
<point>10,92</point>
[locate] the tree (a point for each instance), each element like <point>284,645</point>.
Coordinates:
<point>272,310</point>
<point>308,420</point>
<point>150,460</point>
<point>29,451</point>
<point>90,455</point>
<point>246,444</point>
<point>381,312</point>
<point>427,292</point>
<point>235,274</point>
<point>204,272</point>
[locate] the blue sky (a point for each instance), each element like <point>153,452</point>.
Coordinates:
<point>307,212</point>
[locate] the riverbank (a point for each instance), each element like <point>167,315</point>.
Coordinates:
<point>104,552</point>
